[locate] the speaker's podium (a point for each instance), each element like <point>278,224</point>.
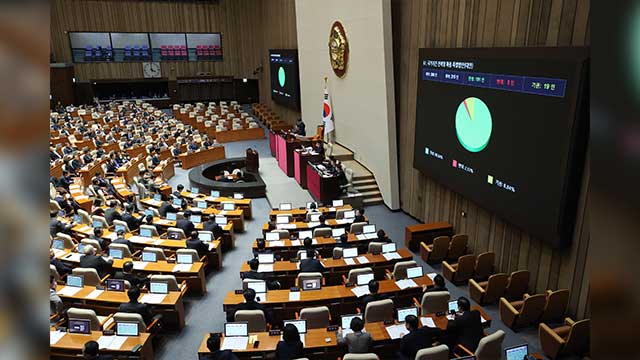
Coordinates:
<point>322,187</point>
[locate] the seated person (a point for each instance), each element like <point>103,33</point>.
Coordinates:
<point>91,260</point>
<point>254,264</point>
<point>417,338</point>
<point>97,236</point>
<point>185,224</point>
<point>132,222</point>
<point>211,225</point>
<point>127,274</point>
<point>250,303</point>
<point>374,287</point>
<point>91,351</point>
<point>121,240</point>
<point>56,226</point>
<point>213,344</point>
<point>196,244</point>
<point>61,267</point>
<point>466,327</point>
<point>382,236</point>
<point>290,347</point>
<point>311,264</point>
<point>357,342</point>
<point>148,220</point>
<point>133,306</point>
<point>438,285</point>
<point>56,306</point>
<point>359,216</point>
<point>343,242</point>
<point>165,208</point>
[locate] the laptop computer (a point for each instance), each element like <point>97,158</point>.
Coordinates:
<point>414,272</point>
<point>337,203</point>
<point>453,306</point>
<point>75,280</point>
<point>272,236</point>
<point>266,258</point>
<point>146,233</point>
<point>337,232</point>
<point>97,224</point>
<point>518,352</point>
<point>80,248</point>
<point>315,217</point>
<point>119,227</point>
<point>77,218</point>
<point>177,202</point>
<point>389,247</point>
<point>148,256</point>
<point>184,259</point>
<point>195,190</point>
<point>116,253</point>
<point>205,236</point>
<point>363,279</point>
<point>349,214</point>
<point>57,244</point>
<point>404,312</point>
<point>345,320</point>
<point>195,218</point>
<point>172,216</point>
<point>221,220</point>
<point>115,285</point>
<point>285,206</point>
<point>201,204</point>
<point>311,284</point>
<point>148,212</point>
<point>301,325</point>
<point>157,197</point>
<point>259,287</point>
<point>158,287</point>
<point>349,252</point>
<point>368,229</point>
<point>228,206</point>
<point>215,193</point>
<point>238,328</point>
<point>127,328</point>
<point>79,326</point>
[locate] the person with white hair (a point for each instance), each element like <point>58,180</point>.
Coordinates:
<point>91,260</point>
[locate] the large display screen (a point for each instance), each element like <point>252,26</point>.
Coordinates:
<point>285,81</point>
<point>506,128</point>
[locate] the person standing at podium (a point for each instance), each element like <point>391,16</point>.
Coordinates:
<point>300,128</point>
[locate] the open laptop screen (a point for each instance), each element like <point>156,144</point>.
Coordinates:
<point>236,329</point>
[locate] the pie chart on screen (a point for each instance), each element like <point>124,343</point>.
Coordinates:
<point>282,77</point>
<point>473,124</point>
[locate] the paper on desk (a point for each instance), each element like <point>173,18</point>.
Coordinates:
<point>265,268</point>
<point>139,265</point>
<point>286,226</point>
<point>427,321</point>
<point>362,259</point>
<point>406,283</point>
<point>370,236</point>
<point>181,268</point>
<point>105,341</point>
<point>68,291</point>
<point>55,336</point>
<point>261,297</point>
<point>222,212</point>
<point>152,298</point>
<point>451,317</point>
<point>396,331</point>
<point>276,243</point>
<point>361,237</point>
<point>391,256</point>
<point>349,261</point>
<point>75,257</point>
<point>432,275</point>
<point>312,224</point>
<point>294,296</point>
<point>359,291</point>
<point>157,242</point>
<point>136,238</point>
<point>296,243</point>
<point>341,221</point>
<point>235,343</point>
<point>116,342</point>
<point>111,236</point>
<point>94,294</point>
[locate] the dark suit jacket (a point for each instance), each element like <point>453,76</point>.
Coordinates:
<point>198,246</point>
<point>133,279</point>
<point>186,226</point>
<point>95,262</point>
<point>137,308</point>
<point>220,355</point>
<point>467,329</point>
<point>286,351</point>
<point>61,267</point>
<point>214,228</point>
<point>418,339</point>
<point>165,208</point>
<point>56,226</point>
<point>434,289</point>
<point>311,265</point>
<point>123,241</point>
<point>112,214</point>
<point>371,297</point>
<point>132,222</point>
<point>358,218</point>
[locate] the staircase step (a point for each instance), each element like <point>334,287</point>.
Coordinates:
<point>373,201</point>
<point>371,181</point>
<point>370,194</point>
<point>365,188</point>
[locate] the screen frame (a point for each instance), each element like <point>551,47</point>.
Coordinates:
<point>277,99</point>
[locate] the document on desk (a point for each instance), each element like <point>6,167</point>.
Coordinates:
<point>313,224</point>
<point>279,243</point>
<point>139,265</point>
<point>157,242</point>
<point>362,259</point>
<point>406,283</point>
<point>341,221</point>
<point>181,268</point>
<point>361,237</point>
<point>111,236</point>
<point>296,243</point>
<point>94,294</point>
<point>294,296</point>
<point>265,268</point>
<point>392,255</point>
<point>396,331</point>
<point>370,236</point>
<point>432,275</point>
<point>235,343</point>
<point>105,341</point>
<point>68,291</point>
<point>117,342</point>
<point>286,226</point>
<point>74,257</point>
<point>451,317</point>
<point>349,261</point>
<point>152,298</point>
<point>141,239</point>
<point>427,321</point>
<point>359,291</point>
<point>55,336</point>
<point>57,253</point>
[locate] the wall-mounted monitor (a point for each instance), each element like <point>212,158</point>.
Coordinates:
<point>285,80</point>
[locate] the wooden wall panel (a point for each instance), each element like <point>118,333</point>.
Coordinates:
<point>248,29</point>
<point>488,23</point>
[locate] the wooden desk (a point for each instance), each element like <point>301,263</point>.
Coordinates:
<point>317,348</point>
<point>89,171</point>
<point>190,160</point>
<point>287,249</point>
<point>122,189</point>
<point>419,233</point>
<point>165,171</point>
<point>71,345</point>
<point>137,151</point>
<point>131,169</point>
<point>56,169</point>
<point>78,195</point>
<point>88,143</point>
<point>244,204</point>
<point>286,271</point>
<point>228,238</point>
<point>240,135</point>
<point>296,226</point>
<point>301,214</point>
<point>236,216</point>
<point>171,307</point>
<point>339,299</point>
<point>300,161</point>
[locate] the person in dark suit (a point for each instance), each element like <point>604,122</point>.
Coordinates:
<point>311,264</point>
<point>97,236</point>
<point>56,226</point>
<point>373,295</point>
<point>213,344</point>
<point>148,220</point>
<point>185,224</point>
<point>250,304</point>
<point>196,244</point>
<point>65,180</point>
<point>60,266</point>
<point>343,243</point>
<point>112,213</point>
<point>133,306</point>
<point>132,222</point>
<point>439,285</point>
<point>254,274</point>
<point>382,236</point>
<point>178,191</point>
<point>215,228</point>
<point>121,240</point>
<point>300,128</point>
<point>359,216</point>
<point>91,260</point>
<point>127,274</point>
<point>165,208</point>
<point>290,347</point>
<point>91,351</point>
<point>417,338</point>
<point>466,327</point>
<point>319,148</point>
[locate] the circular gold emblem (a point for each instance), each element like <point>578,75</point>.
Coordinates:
<point>338,49</point>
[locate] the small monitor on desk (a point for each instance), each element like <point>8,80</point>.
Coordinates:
<point>195,190</point>
<point>215,193</point>
<point>311,284</point>
<point>349,214</point>
<point>148,212</point>
<point>404,312</point>
<point>146,233</point>
<point>205,236</point>
<point>518,352</point>
<point>201,204</point>
<point>345,320</point>
<point>315,217</point>
<point>337,203</point>
<point>238,196</point>
<point>349,252</point>
<point>363,279</point>
<point>80,248</point>
<point>453,306</point>
<point>196,218</point>
<point>172,216</point>
<point>301,325</point>
<point>127,328</point>
<point>389,247</point>
<point>75,280</point>
<point>369,229</point>
<point>414,272</point>
<point>115,285</point>
<point>120,227</point>
<point>258,286</point>
<point>266,258</point>
<point>157,197</point>
<point>240,328</point>
<point>97,224</point>
<point>57,244</point>
<point>337,232</point>
<point>272,236</point>
<point>158,287</point>
<point>221,220</point>
<point>115,253</point>
<point>148,256</point>
<point>177,202</point>
<point>282,219</point>
<point>184,259</point>
<point>228,206</point>
<point>77,218</point>
<point>285,206</point>
<point>305,234</point>
<point>79,326</point>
